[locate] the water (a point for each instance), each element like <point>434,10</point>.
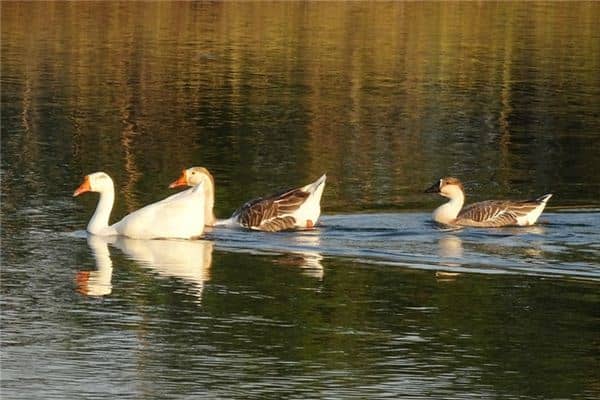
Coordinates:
<point>377,301</point>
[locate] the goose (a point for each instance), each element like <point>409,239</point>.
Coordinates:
<point>491,213</point>
<point>177,216</point>
<point>297,208</point>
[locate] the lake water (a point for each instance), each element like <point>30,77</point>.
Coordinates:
<point>376,302</point>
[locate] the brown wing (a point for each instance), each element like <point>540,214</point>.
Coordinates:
<point>487,213</point>
<point>495,213</point>
<point>278,224</point>
<point>271,213</point>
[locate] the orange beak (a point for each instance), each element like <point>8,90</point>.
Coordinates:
<point>181,181</point>
<point>84,187</point>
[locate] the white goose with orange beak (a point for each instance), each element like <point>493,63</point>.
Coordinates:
<point>297,208</point>
<point>490,214</point>
<point>177,216</point>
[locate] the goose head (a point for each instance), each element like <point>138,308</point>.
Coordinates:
<point>96,182</point>
<point>448,187</point>
<point>193,177</point>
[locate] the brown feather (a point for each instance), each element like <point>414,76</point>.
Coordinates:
<point>495,213</point>
<point>278,224</point>
<point>271,213</point>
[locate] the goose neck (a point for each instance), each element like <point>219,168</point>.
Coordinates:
<point>99,221</point>
<point>446,213</point>
<point>209,203</point>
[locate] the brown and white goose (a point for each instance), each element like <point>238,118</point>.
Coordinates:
<point>491,213</point>
<point>297,208</point>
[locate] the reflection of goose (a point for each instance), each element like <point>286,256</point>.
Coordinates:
<point>309,262</point>
<point>491,213</point>
<point>297,208</point>
<point>312,265</point>
<point>177,216</point>
<point>450,246</point>
<point>189,260</point>
<point>97,283</point>
<point>310,259</point>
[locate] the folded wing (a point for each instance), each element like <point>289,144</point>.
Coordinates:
<point>496,213</point>
<point>273,213</point>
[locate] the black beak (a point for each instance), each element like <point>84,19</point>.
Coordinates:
<point>435,188</point>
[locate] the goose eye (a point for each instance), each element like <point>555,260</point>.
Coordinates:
<point>193,172</point>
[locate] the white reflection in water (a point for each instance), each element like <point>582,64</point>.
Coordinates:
<point>450,246</point>
<point>189,260</point>
<point>98,282</point>
<point>312,265</point>
<point>311,259</point>
<point>308,262</point>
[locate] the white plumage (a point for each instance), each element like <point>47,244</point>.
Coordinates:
<point>177,216</point>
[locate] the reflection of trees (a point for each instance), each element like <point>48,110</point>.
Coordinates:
<point>381,96</point>
<point>128,136</point>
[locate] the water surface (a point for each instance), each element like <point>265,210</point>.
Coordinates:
<point>377,301</point>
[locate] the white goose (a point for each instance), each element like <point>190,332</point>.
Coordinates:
<point>491,213</point>
<point>297,208</point>
<point>177,216</point>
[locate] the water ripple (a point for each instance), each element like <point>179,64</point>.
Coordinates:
<point>408,240</point>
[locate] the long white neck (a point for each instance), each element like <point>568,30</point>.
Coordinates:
<point>209,203</point>
<point>446,213</point>
<point>98,224</point>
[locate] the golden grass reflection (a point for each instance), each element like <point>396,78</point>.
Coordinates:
<point>363,90</point>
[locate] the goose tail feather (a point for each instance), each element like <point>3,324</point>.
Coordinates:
<point>312,187</point>
<point>544,199</point>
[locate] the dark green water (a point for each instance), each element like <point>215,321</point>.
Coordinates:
<point>376,302</point>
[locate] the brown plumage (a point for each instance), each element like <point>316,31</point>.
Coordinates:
<point>495,213</point>
<point>269,213</point>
